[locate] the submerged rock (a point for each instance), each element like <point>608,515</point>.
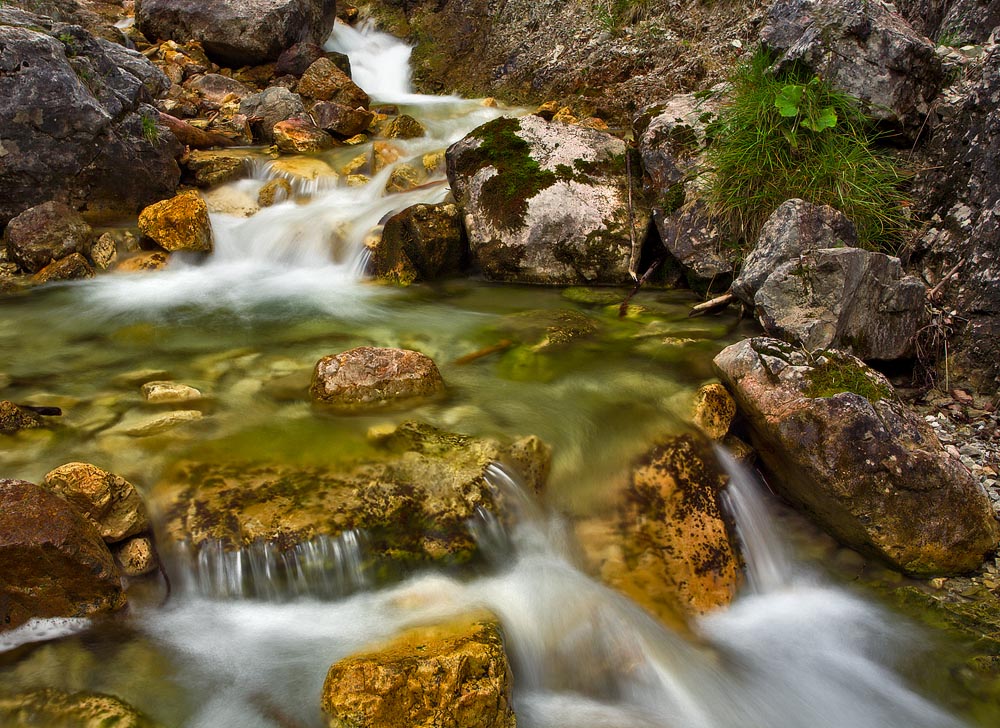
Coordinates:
<point>238,32</point>
<point>53,562</point>
<point>180,223</point>
<point>370,377</point>
<point>108,501</point>
<point>843,447</point>
<point>58,709</point>
<point>450,676</point>
<point>411,502</point>
<point>862,48</point>
<point>548,203</point>
<point>46,233</point>
<point>14,418</point>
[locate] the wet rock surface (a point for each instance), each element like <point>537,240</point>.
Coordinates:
<point>108,501</point>
<point>180,223</point>
<point>546,202</point>
<point>426,239</point>
<point>46,233</point>
<point>60,709</point>
<point>53,562</point>
<point>843,447</point>
<point>449,676</point>
<point>368,378</point>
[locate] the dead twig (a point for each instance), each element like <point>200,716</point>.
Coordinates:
<point>623,308</point>
<point>712,305</point>
<point>486,351</point>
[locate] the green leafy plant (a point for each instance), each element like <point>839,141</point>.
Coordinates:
<point>789,134</point>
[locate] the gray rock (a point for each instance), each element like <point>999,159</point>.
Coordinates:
<point>843,447</point>
<point>959,22</point>
<point>71,123</point>
<point>862,47</point>
<point>215,87</point>
<point>44,233</point>
<point>546,202</point>
<point>269,107</point>
<point>698,243</point>
<point>238,32</point>
<point>847,298</point>
<point>795,227</point>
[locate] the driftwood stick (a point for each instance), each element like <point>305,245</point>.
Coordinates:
<point>933,293</point>
<point>633,267</point>
<point>192,136</point>
<point>711,306</point>
<point>623,309</point>
<point>486,351</point>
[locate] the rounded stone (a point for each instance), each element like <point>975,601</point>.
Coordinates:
<point>107,500</point>
<point>136,556</point>
<point>180,223</point>
<point>371,377</point>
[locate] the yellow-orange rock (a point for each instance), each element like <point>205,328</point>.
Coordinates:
<point>180,223</point>
<point>714,410</point>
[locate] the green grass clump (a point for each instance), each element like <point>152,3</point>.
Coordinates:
<point>150,131</point>
<point>788,135</point>
<point>839,374</point>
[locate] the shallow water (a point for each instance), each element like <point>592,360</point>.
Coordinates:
<point>246,326</point>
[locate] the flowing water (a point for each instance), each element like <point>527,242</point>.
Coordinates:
<point>247,638</point>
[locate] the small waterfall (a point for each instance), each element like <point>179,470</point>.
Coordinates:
<point>323,567</point>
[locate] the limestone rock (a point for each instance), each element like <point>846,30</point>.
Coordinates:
<point>180,223</point>
<point>71,268</point>
<point>104,252</point>
<point>274,191</point>
<point>71,110</point>
<point>45,233</point>
<point>208,168</point>
<point>53,563</point>
<point>411,499</point>
<point>108,501</point>
<point>846,298</point>
<point>136,556</point>
<point>863,48</point>
<point>14,418</point>
<point>298,136</point>
<point>404,177</point>
<point>369,377</point>
<point>238,32</point>
<point>548,203</point>
<point>843,447</point>
<point>449,676</point>
<point>340,119</point>
<point>429,237</point>
<point>714,410</point>
<point>147,261</point>
<point>697,241</point>
<point>270,106</point>
<point>167,391</point>
<point>404,126</point>
<point>324,81</point>
<point>51,707</point>
<point>217,88</point>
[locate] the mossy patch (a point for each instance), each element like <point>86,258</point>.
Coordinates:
<point>504,196</point>
<point>839,373</point>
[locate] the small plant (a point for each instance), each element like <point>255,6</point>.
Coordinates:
<point>790,135</point>
<point>613,15</point>
<point>150,131</point>
<point>69,41</point>
<point>837,373</point>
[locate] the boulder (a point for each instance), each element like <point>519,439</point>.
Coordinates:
<point>51,707</point>
<point>427,239</point>
<point>53,563</point>
<point>71,268</point>
<point>270,106</point>
<point>45,233</point>
<point>180,223</point>
<point>238,32</point>
<point>299,136</point>
<point>668,545</point>
<point>409,502</point>
<point>846,298</point>
<point>324,81</point>
<point>341,120</point>
<point>447,676</point>
<point>369,378</point>
<point>208,168</point>
<point>954,22</point>
<point>713,410</point>
<point>74,120</point>
<point>108,501</point>
<point>698,242</point>
<point>403,126</point>
<point>548,203</point>
<point>844,448</point>
<point>863,48</point>
<point>297,59</point>
<point>14,418</point>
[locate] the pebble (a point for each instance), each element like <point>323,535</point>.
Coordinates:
<point>169,392</point>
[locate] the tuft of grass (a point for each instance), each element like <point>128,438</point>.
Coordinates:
<point>838,373</point>
<point>150,131</point>
<point>787,135</point>
<point>613,15</point>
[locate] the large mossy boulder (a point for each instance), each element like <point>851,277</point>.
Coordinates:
<point>550,203</point>
<point>448,676</point>
<point>75,122</point>
<point>53,562</point>
<point>238,32</point>
<point>864,48</point>
<point>411,502</point>
<point>844,448</point>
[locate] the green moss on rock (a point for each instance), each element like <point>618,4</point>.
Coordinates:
<point>839,373</point>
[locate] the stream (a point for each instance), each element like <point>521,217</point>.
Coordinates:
<point>285,287</point>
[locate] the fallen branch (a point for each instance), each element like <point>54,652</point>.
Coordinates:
<point>936,290</point>
<point>192,136</point>
<point>499,346</point>
<point>623,308</point>
<point>711,306</point>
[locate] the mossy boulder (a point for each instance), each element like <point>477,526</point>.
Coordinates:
<point>370,378</point>
<point>57,709</point>
<point>844,448</point>
<point>180,223</point>
<point>446,676</point>
<point>549,203</point>
<point>411,501</point>
<point>53,562</point>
